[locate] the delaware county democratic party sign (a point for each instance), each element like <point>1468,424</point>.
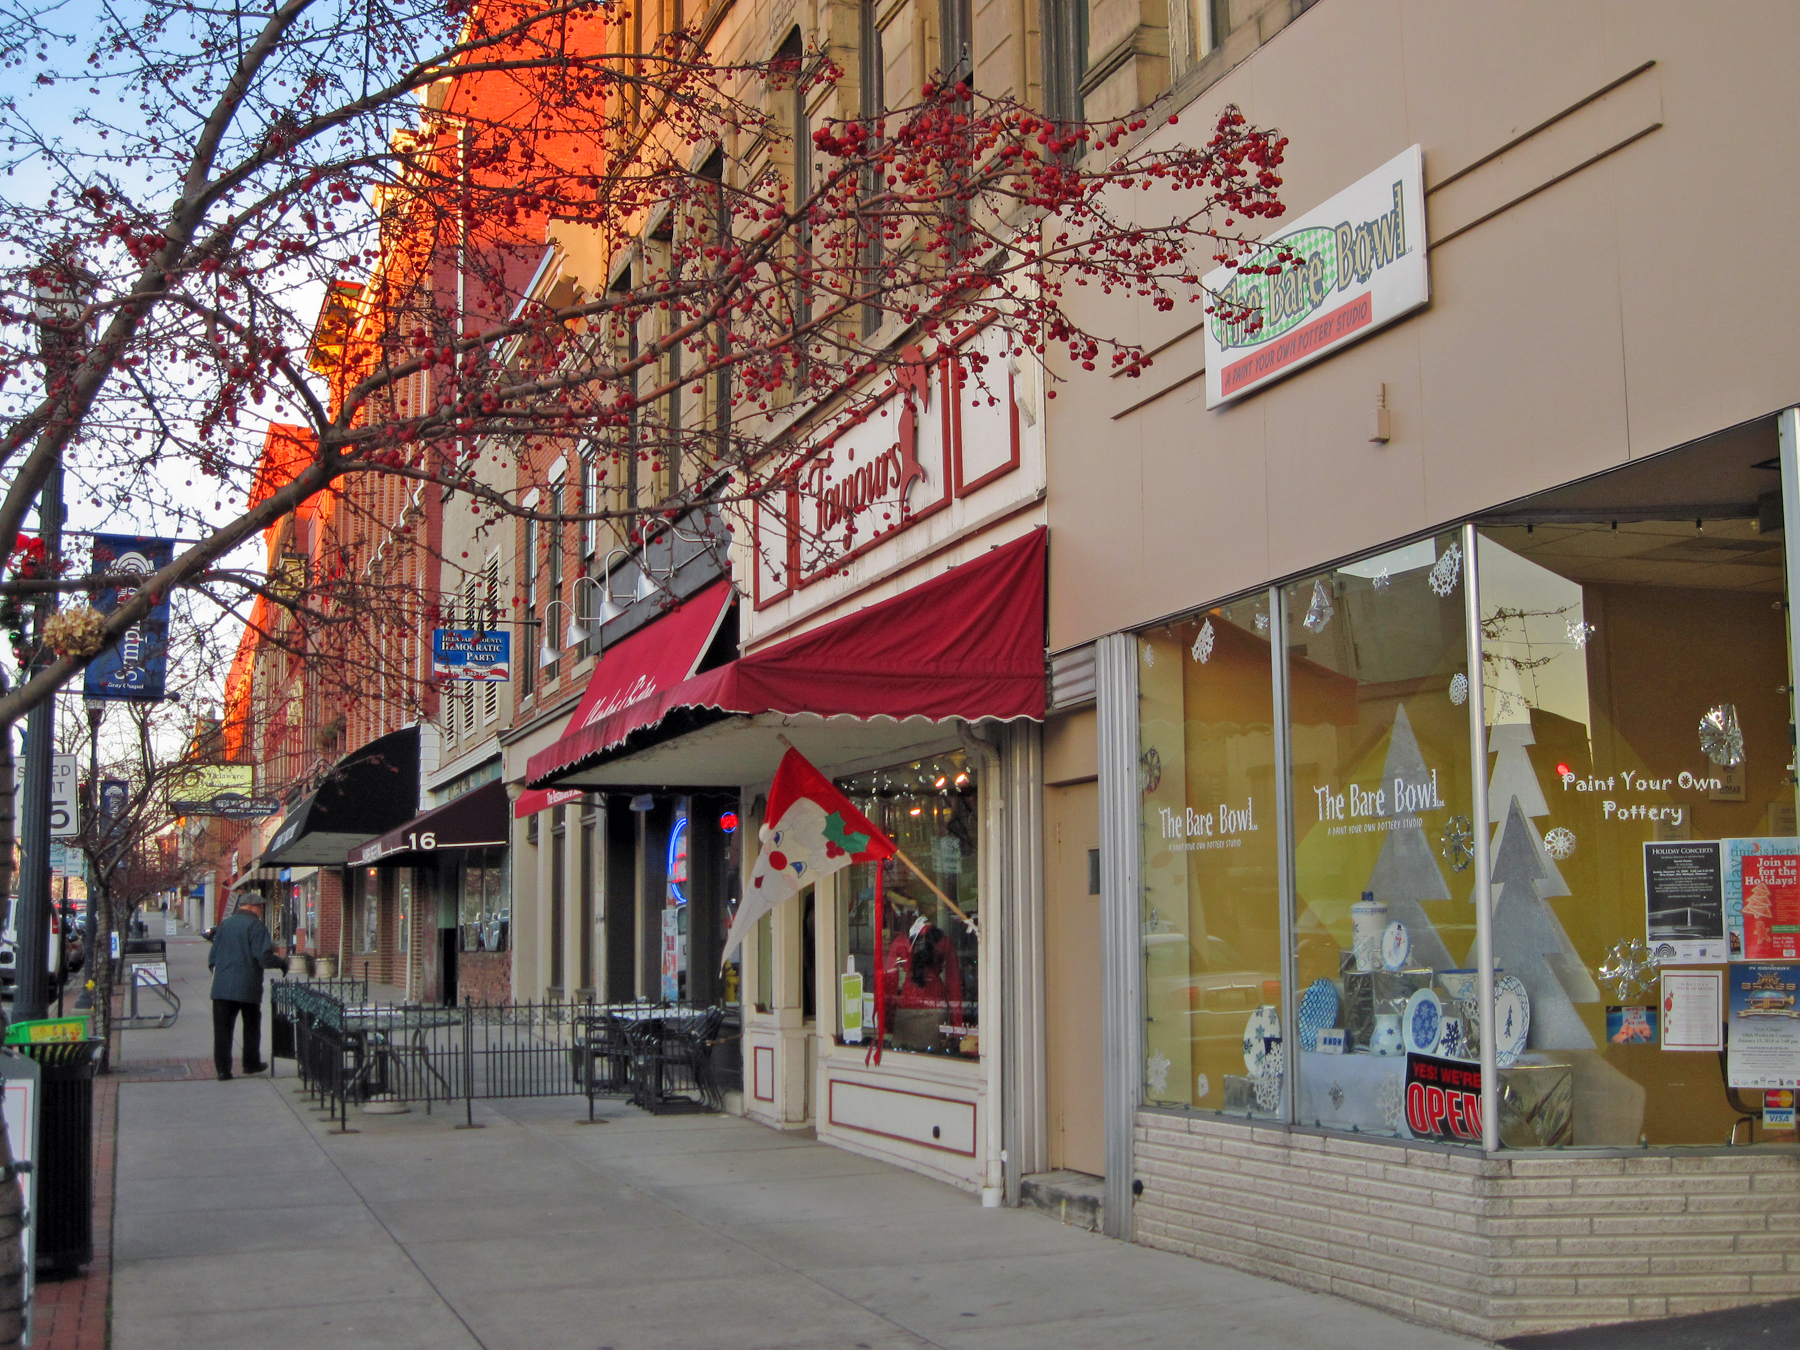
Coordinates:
<point>1362,265</point>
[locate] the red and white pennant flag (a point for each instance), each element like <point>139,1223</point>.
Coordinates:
<point>810,831</point>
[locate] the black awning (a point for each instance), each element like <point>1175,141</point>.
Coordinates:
<point>477,819</point>
<point>368,791</point>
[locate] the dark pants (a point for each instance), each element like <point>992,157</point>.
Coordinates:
<point>226,1012</point>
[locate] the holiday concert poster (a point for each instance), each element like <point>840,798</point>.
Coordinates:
<point>1684,900</point>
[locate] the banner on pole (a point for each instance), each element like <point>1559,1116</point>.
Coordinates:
<point>137,667</point>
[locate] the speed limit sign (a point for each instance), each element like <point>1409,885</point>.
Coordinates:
<point>65,816</point>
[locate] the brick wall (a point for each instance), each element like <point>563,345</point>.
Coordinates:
<point>1491,1246</point>
<point>484,977</point>
<point>331,910</point>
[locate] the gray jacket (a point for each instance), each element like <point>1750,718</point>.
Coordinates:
<point>241,949</point>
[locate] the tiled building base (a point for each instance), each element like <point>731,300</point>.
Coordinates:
<point>1490,1246</point>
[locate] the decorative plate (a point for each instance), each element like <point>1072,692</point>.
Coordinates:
<point>1318,1010</point>
<point>1262,1040</point>
<point>1512,1020</point>
<point>1396,946</point>
<point>1422,1026</point>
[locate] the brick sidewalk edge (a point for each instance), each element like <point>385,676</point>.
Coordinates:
<point>77,1314</point>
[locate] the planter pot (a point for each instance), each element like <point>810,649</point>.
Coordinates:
<point>325,967</point>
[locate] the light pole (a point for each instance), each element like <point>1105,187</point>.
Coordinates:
<point>96,712</point>
<point>57,310</point>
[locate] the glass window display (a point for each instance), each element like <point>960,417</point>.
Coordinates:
<point>930,953</point>
<point>483,914</point>
<point>1384,913</point>
<point>1640,781</point>
<point>1211,899</point>
<point>1641,849</point>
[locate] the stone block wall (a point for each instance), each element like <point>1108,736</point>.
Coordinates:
<point>1491,1246</point>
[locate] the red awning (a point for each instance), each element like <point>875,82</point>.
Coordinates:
<point>968,644</point>
<point>657,656</point>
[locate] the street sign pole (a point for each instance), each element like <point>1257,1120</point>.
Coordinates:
<point>58,308</point>
<point>32,996</point>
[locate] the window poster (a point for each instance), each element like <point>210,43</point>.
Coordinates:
<point>1631,1026</point>
<point>1684,900</point>
<point>1736,851</point>
<point>1693,1009</point>
<point>1763,1040</point>
<point>1771,907</point>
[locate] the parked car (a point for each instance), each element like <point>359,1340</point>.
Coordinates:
<point>9,950</point>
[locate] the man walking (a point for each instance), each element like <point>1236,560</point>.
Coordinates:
<point>241,950</point>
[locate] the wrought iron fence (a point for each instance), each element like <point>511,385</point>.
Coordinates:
<point>659,1056</point>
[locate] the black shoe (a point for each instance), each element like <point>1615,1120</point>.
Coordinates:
<point>256,1068</point>
<point>225,1077</point>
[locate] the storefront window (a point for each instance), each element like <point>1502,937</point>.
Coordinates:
<point>1640,843</point>
<point>309,909</point>
<point>1384,910</point>
<point>404,890</point>
<point>1211,898</point>
<point>483,915</point>
<point>765,963</point>
<point>1640,786</point>
<point>371,910</point>
<point>929,951</point>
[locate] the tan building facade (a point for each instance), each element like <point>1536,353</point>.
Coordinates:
<point>1456,625</point>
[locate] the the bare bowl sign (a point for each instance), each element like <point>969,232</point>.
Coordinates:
<point>1362,265</point>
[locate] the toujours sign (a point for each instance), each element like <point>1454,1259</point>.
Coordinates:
<point>1362,265</point>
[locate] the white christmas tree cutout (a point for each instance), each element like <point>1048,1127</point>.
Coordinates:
<point>1529,942</point>
<point>1515,783</point>
<point>1405,872</point>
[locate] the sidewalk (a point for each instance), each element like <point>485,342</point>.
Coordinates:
<point>240,1221</point>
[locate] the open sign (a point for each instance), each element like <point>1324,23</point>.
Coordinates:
<point>1443,1098</point>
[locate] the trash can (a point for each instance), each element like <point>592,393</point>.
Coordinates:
<point>65,1165</point>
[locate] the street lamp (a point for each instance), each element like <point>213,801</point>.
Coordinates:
<point>62,291</point>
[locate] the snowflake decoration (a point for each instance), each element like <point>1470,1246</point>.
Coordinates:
<point>1447,572</point>
<point>1268,1091</point>
<point>1392,1102</point>
<point>1721,737</point>
<point>1459,689</point>
<point>1202,1087</point>
<point>1149,655</point>
<point>1336,1094</point>
<point>1560,843</point>
<point>1451,1045</point>
<point>1628,969</point>
<point>1319,612</point>
<point>1580,632</point>
<point>1203,643</point>
<point>1150,770</point>
<point>1383,580</point>
<point>1458,842</point>
<point>1156,1073</point>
